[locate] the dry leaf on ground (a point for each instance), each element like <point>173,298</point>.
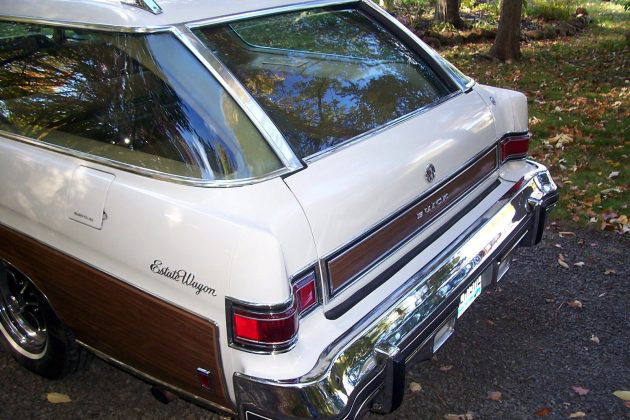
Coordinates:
<point>467,416</point>
<point>446,368</point>
<point>494,395</point>
<point>594,338</point>
<point>57,398</point>
<point>415,387</point>
<point>609,272</point>
<point>565,234</point>
<point>543,412</point>
<point>577,414</point>
<point>575,304</point>
<point>562,263</point>
<point>579,264</point>
<point>624,395</point>
<point>580,390</point>
<point>613,174</point>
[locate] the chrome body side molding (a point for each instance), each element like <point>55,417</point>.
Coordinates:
<point>364,361</point>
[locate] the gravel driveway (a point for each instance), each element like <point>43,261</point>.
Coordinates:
<point>522,340</point>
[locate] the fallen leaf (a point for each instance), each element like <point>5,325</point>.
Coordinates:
<point>467,416</point>
<point>415,387</point>
<point>563,263</point>
<point>609,272</point>
<point>543,412</point>
<point>579,264</point>
<point>446,368</point>
<point>565,234</point>
<point>580,390</point>
<point>575,304</point>
<point>594,339</point>
<point>490,322</point>
<point>613,174</point>
<point>624,395</point>
<point>494,395</point>
<point>57,398</point>
<point>577,414</point>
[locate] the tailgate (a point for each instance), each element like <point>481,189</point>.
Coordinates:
<point>365,200</point>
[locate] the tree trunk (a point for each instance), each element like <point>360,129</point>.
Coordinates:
<point>507,44</point>
<point>448,11</point>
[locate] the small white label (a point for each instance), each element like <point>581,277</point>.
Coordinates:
<point>467,298</point>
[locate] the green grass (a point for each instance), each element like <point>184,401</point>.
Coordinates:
<point>577,86</point>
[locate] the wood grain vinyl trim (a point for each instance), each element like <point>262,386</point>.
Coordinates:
<point>138,329</point>
<point>353,260</point>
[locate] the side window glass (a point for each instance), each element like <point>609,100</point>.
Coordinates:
<point>143,100</point>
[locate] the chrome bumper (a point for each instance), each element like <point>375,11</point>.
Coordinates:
<point>365,368</point>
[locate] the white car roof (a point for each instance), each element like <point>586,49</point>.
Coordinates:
<point>115,13</point>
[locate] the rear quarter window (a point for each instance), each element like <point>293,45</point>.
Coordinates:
<point>142,100</point>
<point>325,75</point>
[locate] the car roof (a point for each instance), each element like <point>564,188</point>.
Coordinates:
<point>117,13</point>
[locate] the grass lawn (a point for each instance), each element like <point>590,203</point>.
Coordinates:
<point>578,90</point>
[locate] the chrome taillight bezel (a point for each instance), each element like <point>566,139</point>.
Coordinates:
<point>267,313</point>
<point>513,138</point>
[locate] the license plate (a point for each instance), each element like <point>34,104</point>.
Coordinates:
<point>468,297</point>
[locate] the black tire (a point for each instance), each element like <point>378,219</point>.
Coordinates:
<point>31,331</point>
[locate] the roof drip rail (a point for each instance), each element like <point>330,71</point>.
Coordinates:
<point>148,5</point>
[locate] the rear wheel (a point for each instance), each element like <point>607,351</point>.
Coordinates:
<point>31,331</point>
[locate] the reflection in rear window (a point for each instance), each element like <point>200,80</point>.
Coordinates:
<point>325,75</point>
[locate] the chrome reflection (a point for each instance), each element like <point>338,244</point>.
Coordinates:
<point>348,366</point>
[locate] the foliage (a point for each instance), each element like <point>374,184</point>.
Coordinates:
<point>413,9</point>
<point>551,9</point>
<point>579,112</point>
<point>624,3</point>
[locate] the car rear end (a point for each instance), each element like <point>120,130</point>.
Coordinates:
<point>416,187</point>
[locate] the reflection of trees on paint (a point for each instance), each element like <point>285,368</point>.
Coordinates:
<point>316,99</point>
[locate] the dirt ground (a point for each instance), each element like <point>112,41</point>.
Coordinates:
<point>523,340</point>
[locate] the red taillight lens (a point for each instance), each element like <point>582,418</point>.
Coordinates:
<point>305,292</point>
<point>514,147</point>
<point>270,329</point>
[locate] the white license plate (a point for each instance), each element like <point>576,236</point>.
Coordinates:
<point>468,297</point>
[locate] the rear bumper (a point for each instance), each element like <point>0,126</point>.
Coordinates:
<point>365,368</point>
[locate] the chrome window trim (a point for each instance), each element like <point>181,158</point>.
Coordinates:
<point>242,97</point>
<point>86,25</point>
<point>150,173</point>
<point>269,11</point>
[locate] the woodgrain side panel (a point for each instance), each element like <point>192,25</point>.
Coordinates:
<point>356,258</point>
<point>140,330</point>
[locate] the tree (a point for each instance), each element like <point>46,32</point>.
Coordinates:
<point>507,44</point>
<point>448,11</point>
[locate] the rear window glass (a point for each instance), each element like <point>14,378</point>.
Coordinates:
<point>143,100</point>
<point>325,75</point>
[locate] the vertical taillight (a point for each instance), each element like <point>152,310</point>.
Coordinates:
<point>305,291</point>
<point>267,329</point>
<point>514,147</point>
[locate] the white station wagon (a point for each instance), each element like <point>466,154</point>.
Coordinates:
<point>269,208</point>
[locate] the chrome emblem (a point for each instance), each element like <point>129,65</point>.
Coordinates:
<point>429,173</point>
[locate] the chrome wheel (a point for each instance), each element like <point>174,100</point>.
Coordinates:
<point>22,320</point>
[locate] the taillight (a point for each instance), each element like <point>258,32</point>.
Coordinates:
<point>305,291</point>
<point>514,147</point>
<point>265,329</point>
<point>272,328</point>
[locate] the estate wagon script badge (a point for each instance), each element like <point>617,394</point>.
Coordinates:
<point>429,173</point>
